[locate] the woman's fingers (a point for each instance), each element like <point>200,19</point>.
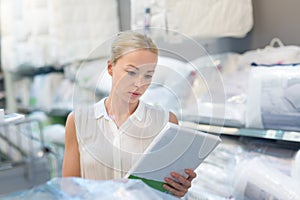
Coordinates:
<point>181,179</point>
<point>191,174</point>
<point>178,185</point>
<point>174,191</point>
<point>175,184</point>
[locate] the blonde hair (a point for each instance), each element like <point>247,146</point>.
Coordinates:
<point>129,41</point>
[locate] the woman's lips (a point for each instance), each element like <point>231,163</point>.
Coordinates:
<point>135,93</point>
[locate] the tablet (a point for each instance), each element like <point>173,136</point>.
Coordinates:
<point>173,150</point>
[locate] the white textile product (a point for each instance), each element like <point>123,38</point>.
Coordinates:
<point>271,55</point>
<point>26,40</point>
<point>215,181</point>
<point>168,70</point>
<point>21,90</point>
<point>292,96</point>
<point>79,26</point>
<point>55,133</point>
<point>199,192</point>
<point>296,167</point>
<point>206,18</point>
<point>256,180</point>
<point>80,188</point>
<point>172,82</point>
<point>93,75</point>
<point>197,18</point>
<point>220,91</point>
<point>272,99</point>
<point>63,98</point>
<point>43,89</point>
<point>39,33</point>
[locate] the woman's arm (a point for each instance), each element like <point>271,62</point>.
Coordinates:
<point>71,163</point>
<point>173,118</point>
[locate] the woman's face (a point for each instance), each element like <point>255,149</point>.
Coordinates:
<point>132,74</point>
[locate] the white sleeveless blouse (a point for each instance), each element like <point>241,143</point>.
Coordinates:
<point>108,152</point>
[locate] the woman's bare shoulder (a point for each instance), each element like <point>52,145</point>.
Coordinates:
<point>70,126</point>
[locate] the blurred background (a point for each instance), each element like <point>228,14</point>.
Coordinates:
<point>235,62</point>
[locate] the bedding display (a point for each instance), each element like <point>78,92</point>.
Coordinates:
<point>208,15</point>
<point>274,98</point>
<point>245,169</point>
<point>58,32</point>
<point>249,169</point>
<point>223,76</point>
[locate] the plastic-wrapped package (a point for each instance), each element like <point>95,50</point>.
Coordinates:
<point>21,90</point>
<point>215,175</point>
<point>255,179</point>
<point>273,98</point>
<point>55,133</point>
<point>63,97</point>
<point>271,55</point>
<point>254,170</point>
<point>214,179</point>
<point>78,188</point>
<point>43,89</point>
<point>91,75</point>
<point>220,91</point>
<point>279,158</point>
<point>295,171</point>
<point>173,80</point>
<point>199,193</point>
<point>49,32</point>
<point>196,18</point>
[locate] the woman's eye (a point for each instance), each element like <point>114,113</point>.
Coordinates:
<point>148,76</point>
<point>131,73</point>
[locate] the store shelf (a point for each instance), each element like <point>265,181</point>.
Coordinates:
<point>26,70</point>
<point>282,135</point>
<point>12,76</point>
<point>55,112</point>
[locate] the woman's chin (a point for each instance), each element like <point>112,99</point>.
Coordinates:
<point>130,99</point>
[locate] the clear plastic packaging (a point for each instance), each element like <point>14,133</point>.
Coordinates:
<point>272,100</point>
<point>255,179</point>
<point>78,188</point>
<point>295,171</point>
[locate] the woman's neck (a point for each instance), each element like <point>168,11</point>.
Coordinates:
<point>119,110</point>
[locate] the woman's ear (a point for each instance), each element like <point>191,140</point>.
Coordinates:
<point>109,67</point>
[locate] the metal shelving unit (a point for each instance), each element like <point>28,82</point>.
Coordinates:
<point>24,158</point>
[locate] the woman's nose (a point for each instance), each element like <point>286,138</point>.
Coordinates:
<point>139,81</point>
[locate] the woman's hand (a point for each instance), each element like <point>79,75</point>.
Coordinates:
<point>178,185</point>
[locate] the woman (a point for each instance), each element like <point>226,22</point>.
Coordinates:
<point>104,140</point>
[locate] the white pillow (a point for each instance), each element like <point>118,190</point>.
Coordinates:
<point>293,96</point>
<point>172,84</point>
<point>176,75</point>
<point>169,68</point>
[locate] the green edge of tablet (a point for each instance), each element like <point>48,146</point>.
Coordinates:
<point>154,184</point>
